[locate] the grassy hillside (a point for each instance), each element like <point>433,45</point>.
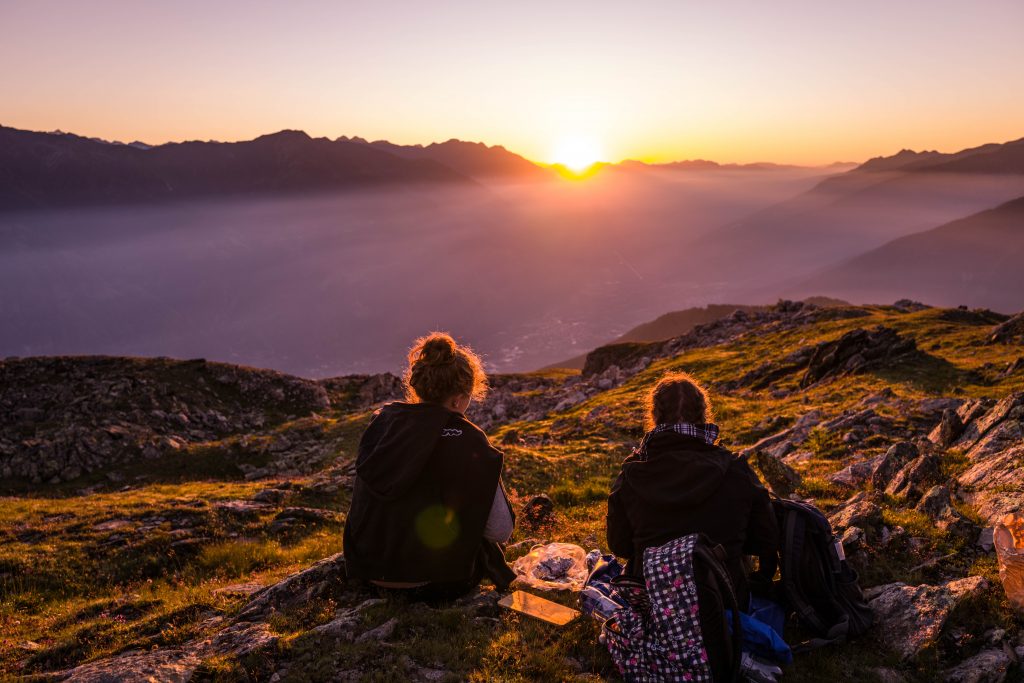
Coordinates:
<point>157,556</point>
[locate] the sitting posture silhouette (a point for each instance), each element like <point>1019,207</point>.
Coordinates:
<point>678,482</point>
<point>428,508</point>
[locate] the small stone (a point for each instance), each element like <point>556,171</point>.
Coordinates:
<point>986,539</point>
<point>539,510</point>
<point>853,539</point>
<point>385,630</point>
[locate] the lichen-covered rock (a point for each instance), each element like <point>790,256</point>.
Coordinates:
<point>894,460</point>
<point>854,476</point>
<point>909,619</point>
<point>858,511</point>
<point>948,430</point>
<point>325,579</point>
<point>171,665</point>
<point>1009,332</point>
<point>938,505</point>
<point>988,666</point>
<point>915,478</point>
<point>994,484</point>
<point>63,417</point>
<point>859,351</point>
<point>980,426</point>
<point>782,479</point>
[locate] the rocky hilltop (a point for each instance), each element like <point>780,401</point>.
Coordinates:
<point>181,520</point>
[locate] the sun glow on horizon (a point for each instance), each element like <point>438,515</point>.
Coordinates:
<point>577,152</point>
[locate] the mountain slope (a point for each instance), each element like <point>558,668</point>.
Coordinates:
<point>852,212</point>
<point>217,554</point>
<point>39,170</point>
<point>975,260</point>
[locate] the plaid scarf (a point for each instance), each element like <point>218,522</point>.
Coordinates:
<point>708,433</point>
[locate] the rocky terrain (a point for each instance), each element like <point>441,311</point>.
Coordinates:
<point>181,520</point>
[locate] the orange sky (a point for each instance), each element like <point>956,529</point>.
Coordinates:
<point>797,82</point>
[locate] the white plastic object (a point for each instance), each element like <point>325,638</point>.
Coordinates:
<point>555,566</point>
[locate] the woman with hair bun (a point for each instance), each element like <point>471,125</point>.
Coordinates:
<point>428,508</point>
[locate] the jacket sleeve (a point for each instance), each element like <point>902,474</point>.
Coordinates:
<point>620,534</point>
<point>762,537</point>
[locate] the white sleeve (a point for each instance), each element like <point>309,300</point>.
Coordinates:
<point>499,522</point>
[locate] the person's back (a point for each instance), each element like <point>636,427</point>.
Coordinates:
<point>677,482</point>
<point>428,507</point>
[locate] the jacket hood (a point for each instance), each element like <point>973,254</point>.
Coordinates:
<point>397,445</point>
<point>678,471</point>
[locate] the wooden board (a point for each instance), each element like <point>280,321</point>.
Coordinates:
<point>540,608</point>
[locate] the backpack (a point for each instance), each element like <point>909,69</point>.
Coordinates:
<point>673,625</point>
<point>816,581</point>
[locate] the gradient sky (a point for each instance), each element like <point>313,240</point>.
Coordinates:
<point>786,81</point>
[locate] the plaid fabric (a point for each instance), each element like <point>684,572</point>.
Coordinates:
<point>708,433</point>
<point>657,637</point>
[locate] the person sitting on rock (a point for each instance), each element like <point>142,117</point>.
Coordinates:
<point>428,507</point>
<point>678,482</point>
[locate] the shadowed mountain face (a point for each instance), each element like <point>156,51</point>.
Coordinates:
<point>971,260</point>
<point>882,200</point>
<point>47,170</point>
<point>473,159</point>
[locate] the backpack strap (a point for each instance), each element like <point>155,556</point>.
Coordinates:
<point>714,557</point>
<point>836,634</point>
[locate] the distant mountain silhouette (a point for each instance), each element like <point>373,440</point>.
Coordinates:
<point>1007,157</point>
<point>60,169</point>
<point>706,165</point>
<point>473,159</point>
<point>974,260</point>
<point>849,213</point>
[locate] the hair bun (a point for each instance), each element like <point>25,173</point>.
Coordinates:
<point>438,350</point>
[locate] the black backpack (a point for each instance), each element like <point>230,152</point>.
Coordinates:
<point>816,581</point>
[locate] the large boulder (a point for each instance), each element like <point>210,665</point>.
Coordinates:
<point>325,579</point>
<point>854,476</point>
<point>937,503</point>
<point>859,351</point>
<point>1009,332</point>
<point>915,478</point>
<point>859,511</point>
<point>948,430</point>
<point>1008,408</point>
<point>988,666</point>
<point>909,619</point>
<point>782,479</point>
<point>894,460</point>
<point>994,484</point>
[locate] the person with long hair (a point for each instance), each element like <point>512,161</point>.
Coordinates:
<point>428,507</point>
<point>679,482</point>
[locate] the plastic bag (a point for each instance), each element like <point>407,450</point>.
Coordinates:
<point>555,566</point>
<point>1009,541</point>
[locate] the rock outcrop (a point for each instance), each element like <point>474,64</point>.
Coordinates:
<point>860,351</point>
<point>1009,332</point>
<point>909,619</point>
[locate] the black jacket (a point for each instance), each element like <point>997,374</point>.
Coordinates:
<point>425,482</point>
<point>685,486</point>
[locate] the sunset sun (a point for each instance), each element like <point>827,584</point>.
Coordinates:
<point>577,152</point>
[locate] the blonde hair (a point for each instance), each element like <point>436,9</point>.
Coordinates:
<point>440,368</point>
<point>678,397</point>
